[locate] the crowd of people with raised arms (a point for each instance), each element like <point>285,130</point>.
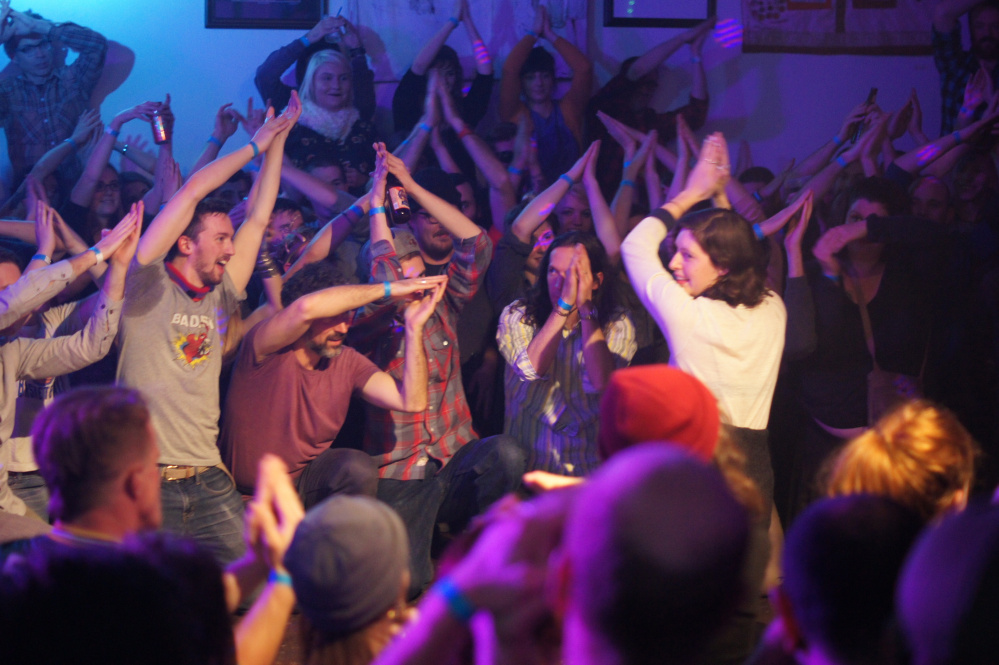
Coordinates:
<point>532,375</point>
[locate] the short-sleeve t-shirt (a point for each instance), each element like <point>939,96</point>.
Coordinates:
<point>171,350</point>
<point>277,406</point>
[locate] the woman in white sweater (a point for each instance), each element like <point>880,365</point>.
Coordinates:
<point>722,323</point>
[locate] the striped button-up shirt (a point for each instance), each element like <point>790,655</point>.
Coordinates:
<point>556,413</point>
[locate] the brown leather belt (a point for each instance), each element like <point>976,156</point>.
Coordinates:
<point>170,472</point>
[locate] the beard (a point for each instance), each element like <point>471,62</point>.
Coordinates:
<point>324,350</point>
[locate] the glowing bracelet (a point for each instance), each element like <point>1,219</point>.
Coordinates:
<point>377,210</point>
<point>457,603</point>
<point>279,578</point>
<point>568,179</point>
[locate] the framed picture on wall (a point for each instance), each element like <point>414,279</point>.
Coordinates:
<point>657,13</point>
<point>268,14</point>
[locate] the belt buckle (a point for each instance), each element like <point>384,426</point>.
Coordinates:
<point>183,472</point>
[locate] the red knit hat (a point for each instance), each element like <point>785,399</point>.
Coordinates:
<point>657,403</point>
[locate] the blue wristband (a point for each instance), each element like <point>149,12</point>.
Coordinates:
<point>759,232</point>
<point>457,603</point>
<point>515,171</point>
<point>388,289</point>
<point>425,127</point>
<point>756,195</point>
<point>305,41</point>
<point>356,209</point>
<point>42,257</point>
<point>256,150</point>
<point>97,252</point>
<point>564,305</point>
<point>842,162</point>
<point>377,210</point>
<point>837,141</point>
<point>212,139</point>
<point>957,138</point>
<point>71,142</point>
<point>568,179</point>
<point>533,34</point>
<point>279,578</point>
<point>112,132</point>
<point>627,183</point>
<point>454,20</point>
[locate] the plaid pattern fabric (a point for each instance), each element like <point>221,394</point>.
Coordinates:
<point>37,117</point>
<point>405,442</point>
<point>956,66</point>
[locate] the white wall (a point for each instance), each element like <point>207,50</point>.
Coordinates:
<point>784,105</point>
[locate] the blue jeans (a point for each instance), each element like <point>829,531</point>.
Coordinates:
<point>31,488</point>
<point>208,509</point>
<point>480,473</point>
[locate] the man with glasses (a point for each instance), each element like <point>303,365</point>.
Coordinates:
<point>40,106</point>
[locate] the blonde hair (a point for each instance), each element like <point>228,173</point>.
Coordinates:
<point>918,454</point>
<point>319,59</point>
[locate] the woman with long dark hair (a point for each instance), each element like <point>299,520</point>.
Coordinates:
<point>561,342</point>
<point>723,325</point>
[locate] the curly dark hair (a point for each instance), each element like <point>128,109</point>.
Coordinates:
<point>728,239</point>
<point>537,302</point>
<point>313,277</point>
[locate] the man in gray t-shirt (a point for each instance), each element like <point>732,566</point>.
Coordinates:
<point>185,282</point>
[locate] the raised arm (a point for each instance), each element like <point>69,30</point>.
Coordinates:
<point>640,249</point>
<point>429,51</point>
<point>604,224</point>
<point>574,102</point>
<point>268,77</point>
<point>657,55</point>
<point>226,122</point>
<point>451,218</point>
<point>483,63</point>
<point>246,242</point>
<point>490,166</point>
<point>364,78</point>
<point>89,122</point>
<point>83,191</point>
<point>330,236</point>
<point>170,223</point>
<point>322,195</point>
<point>510,105</point>
<point>293,321</point>
<point>411,394</point>
<point>542,205</point>
<point>410,150</point>
<point>35,288</point>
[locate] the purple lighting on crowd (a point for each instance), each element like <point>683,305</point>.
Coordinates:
<point>927,154</point>
<point>728,33</point>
